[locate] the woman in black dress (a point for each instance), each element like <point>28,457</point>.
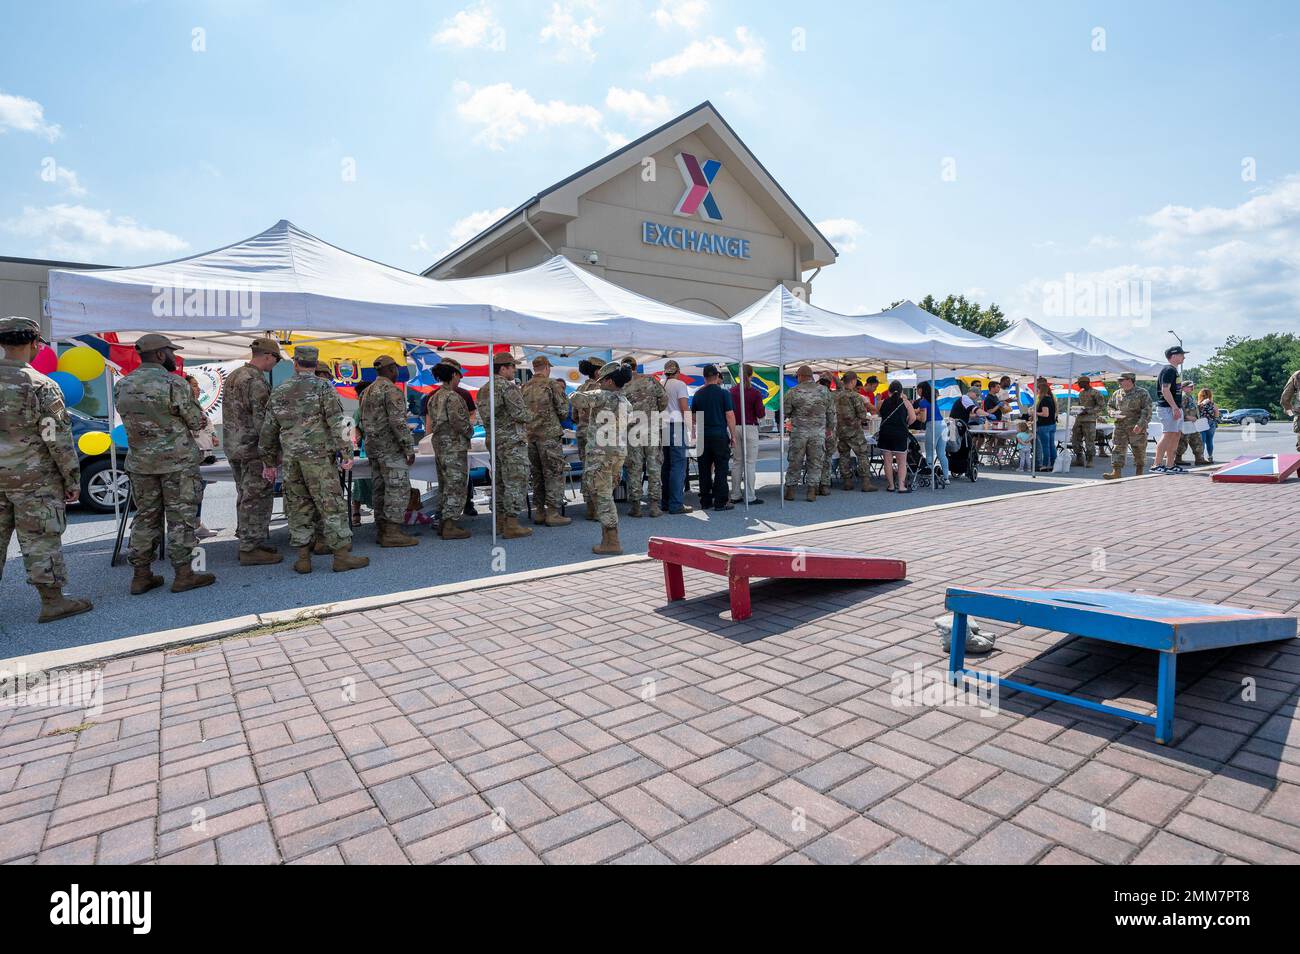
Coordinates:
<point>896,416</point>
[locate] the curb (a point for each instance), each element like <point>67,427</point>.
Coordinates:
<point>219,629</point>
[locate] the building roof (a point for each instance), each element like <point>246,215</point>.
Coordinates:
<point>817,250</point>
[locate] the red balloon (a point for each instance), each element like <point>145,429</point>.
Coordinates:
<point>46,361</point>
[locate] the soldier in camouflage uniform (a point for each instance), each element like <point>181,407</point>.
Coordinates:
<point>1291,404</point>
<point>1131,406</point>
<point>1083,435</point>
<point>578,412</point>
<point>243,408</point>
<point>161,418</point>
<point>808,409</point>
<point>607,415</point>
<point>390,448</point>
<point>450,430</point>
<point>825,381</point>
<point>547,406</point>
<point>39,472</point>
<point>505,405</point>
<point>851,413</point>
<point>1191,412</point>
<point>306,428</point>
<point>645,449</point>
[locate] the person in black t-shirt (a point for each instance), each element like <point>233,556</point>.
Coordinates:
<point>1169,411</point>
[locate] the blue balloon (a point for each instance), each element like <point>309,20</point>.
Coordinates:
<point>119,436</point>
<point>73,390</point>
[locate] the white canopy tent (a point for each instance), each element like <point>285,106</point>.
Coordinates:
<point>931,341</point>
<point>1067,354</point>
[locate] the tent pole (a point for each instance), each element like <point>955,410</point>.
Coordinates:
<point>932,446</point>
<point>743,391</point>
<point>1033,439</point>
<point>492,437</point>
<point>780,464</point>
<point>112,447</point>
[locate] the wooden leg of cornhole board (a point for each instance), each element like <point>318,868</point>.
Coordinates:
<point>957,646</point>
<point>674,585</point>
<point>739,586</point>
<point>1165,698</point>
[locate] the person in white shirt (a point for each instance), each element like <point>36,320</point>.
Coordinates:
<point>677,419</point>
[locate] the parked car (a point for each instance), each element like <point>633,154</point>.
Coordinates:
<point>99,481</point>
<point>1246,415</point>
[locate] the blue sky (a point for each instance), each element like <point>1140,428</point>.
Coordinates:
<point>987,148</point>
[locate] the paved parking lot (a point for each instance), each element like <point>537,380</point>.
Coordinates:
<point>580,719</point>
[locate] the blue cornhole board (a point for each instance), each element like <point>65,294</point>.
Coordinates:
<point>1169,626</point>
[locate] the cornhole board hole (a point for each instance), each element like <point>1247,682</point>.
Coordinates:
<point>1270,469</point>
<point>1169,626</point>
<point>740,563</point>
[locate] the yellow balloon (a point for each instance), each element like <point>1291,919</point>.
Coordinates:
<point>82,363</point>
<point>94,443</point>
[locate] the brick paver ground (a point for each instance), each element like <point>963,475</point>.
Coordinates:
<point>580,719</point>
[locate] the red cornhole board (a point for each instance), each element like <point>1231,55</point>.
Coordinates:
<point>738,562</point>
<point>1271,469</point>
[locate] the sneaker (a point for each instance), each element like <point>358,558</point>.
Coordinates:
<point>1176,470</point>
<point>1160,469</point>
<point>728,506</point>
<point>756,501</point>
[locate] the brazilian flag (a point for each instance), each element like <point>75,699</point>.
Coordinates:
<point>767,378</point>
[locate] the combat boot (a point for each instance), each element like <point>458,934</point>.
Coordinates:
<point>823,491</point>
<point>848,481</point>
<point>344,560</point>
<point>392,535</point>
<point>1201,462</point>
<point>635,509</point>
<point>539,516</point>
<point>54,605</point>
<point>1140,469</point>
<point>451,530</point>
<point>319,547</point>
<point>512,530</point>
<point>609,545</point>
<point>267,548</point>
<point>187,579</point>
<point>556,519</point>
<point>789,491</point>
<point>812,493</point>
<point>867,485</point>
<point>591,509</point>
<point>654,510</point>
<point>144,580</point>
<point>1116,472</point>
<point>303,563</point>
<point>259,557</point>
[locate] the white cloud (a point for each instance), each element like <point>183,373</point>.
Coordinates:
<point>74,231</point>
<point>687,14</point>
<point>638,107</point>
<point>1271,208</point>
<point>507,114</point>
<point>573,35</point>
<point>68,179</point>
<point>1106,242</point>
<point>474,27</point>
<point>714,52</point>
<point>615,140</point>
<point>842,233</point>
<point>421,244</point>
<point>26,115</point>
<point>466,228</point>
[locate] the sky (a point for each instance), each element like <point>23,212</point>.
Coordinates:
<point>1131,168</point>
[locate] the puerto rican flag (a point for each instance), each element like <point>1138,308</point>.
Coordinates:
<point>473,358</point>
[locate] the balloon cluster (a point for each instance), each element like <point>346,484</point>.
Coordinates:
<point>70,369</point>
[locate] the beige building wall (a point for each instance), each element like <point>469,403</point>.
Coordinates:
<point>24,286</point>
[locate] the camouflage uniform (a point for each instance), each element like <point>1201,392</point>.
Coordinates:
<point>850,414</point>
<point>243,409</point>
<point>579,412</point>
<point>607,448</point>
<point>547,406</point>
<point>1131,409</point>
<point>1083,435</point>
<point>37,464</point>
<point>645,450</point>
<point>305,426</point>
<point>450,430</point>
<point>1191,412</point>
<point>388,444</point>
<point>808,409</point>
<point>1291,401</point>
<point>824,481</point>
<point>161,418</point>
<point>510,469</point>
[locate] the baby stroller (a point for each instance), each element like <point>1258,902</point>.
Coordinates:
<point>922,473</point>
<point>962,460</point>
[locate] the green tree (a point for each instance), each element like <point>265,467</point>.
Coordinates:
<point>1251,372</point>
<point>964,313</point>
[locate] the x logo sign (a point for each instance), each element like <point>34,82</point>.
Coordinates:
<point>698,178</point>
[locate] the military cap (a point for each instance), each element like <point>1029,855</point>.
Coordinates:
<point>15,323</point>
<point>1083,379</point>
<point>804,371</point>
<point>849,376</point>
<point>384,360</point>
<point>451,361</point>
<point>671,367</point>
<point>607,369</point>
<point>541,359</point>
<point>628,360</point>
<point>306,354</point>
<point>1131,375</point>
<point>266,346</point>
<point>503,358</point>
<point>153,342</point>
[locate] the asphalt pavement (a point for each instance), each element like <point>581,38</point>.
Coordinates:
<point>240,590</point>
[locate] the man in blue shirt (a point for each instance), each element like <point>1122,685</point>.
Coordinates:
<point>715,427</point>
